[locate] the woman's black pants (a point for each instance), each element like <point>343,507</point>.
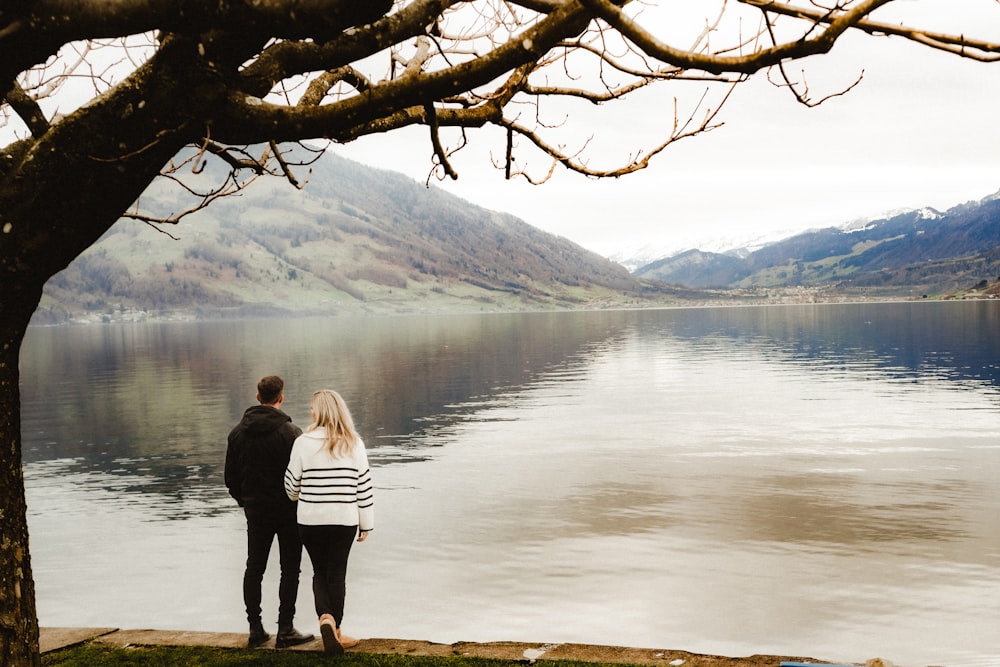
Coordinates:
<point>328,548</point>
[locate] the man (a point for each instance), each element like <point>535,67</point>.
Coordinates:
<point>255,467</point>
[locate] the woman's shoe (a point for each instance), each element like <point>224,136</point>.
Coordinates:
<point>346,640</point>
<point>331,645</point>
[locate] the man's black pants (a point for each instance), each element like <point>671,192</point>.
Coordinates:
<point>263,524</point>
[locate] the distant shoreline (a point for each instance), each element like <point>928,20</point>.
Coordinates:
<point>738,298</point>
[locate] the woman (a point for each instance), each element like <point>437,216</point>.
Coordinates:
<point>329,477</point>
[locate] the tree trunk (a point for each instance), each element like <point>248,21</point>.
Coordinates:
<point>64,191</point>
<point>18,621</point>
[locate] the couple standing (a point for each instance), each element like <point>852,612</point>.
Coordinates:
<point>310,489</point>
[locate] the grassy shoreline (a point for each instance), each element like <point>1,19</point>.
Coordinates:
<point>83,647</point>
<point>95,655</point>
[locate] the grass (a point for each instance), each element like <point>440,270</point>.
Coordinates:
<point>96,655</point>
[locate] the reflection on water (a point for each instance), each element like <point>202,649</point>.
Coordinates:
<point>814,480</point>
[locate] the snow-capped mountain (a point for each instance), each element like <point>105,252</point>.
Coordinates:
<point>920,248</point>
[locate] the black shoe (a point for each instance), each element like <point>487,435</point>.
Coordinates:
<point>290,637</point>
<point>257,635</point>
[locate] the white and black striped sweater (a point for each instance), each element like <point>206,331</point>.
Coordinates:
<point>330,490</point>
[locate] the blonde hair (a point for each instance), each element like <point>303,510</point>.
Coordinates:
<point>330,411</point>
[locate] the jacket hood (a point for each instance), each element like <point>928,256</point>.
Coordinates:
<point>261,419</point>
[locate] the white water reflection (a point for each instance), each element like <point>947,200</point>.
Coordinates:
<point>729,515</point>
<point>710,493</point>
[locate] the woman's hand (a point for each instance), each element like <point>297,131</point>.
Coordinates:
<point>363,535</point>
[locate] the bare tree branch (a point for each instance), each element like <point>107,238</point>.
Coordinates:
<point>286,58</point>
<point>439,152</point>
<point>680,130</point>
<point>840,22</point>
<point>802,96</point>
<point>27,108</point>
<point>959,45</point>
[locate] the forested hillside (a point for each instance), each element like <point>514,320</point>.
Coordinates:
<point>353,240</point>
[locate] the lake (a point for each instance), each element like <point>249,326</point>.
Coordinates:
<point>816,480</point>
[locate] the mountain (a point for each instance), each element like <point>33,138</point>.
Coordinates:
<point>920,251</point>
<point>741,243</point>
<point>354,240</point>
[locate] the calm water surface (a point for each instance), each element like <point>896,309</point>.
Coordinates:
<point>808,480</point>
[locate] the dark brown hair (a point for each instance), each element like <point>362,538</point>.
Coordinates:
<point>269,389</point>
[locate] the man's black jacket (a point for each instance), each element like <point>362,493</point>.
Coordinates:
<point>257,456</point>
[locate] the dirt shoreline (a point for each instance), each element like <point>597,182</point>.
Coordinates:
<point>52,639</point>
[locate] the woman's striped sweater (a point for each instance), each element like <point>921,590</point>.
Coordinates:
<point>330,490</point>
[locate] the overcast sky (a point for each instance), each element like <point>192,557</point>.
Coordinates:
<point>919,130</point>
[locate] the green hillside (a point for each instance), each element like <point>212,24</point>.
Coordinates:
<point>354,240</point>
